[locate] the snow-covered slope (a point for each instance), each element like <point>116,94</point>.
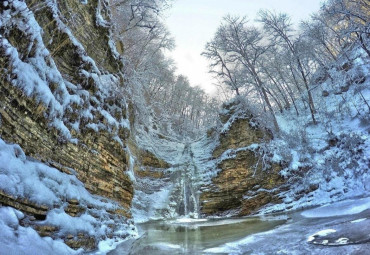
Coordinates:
<point>318,164</point>
<point>329,161</point>
<point>56,205</point>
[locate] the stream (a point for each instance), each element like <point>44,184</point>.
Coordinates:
<point>284,234</point>
<point>339,228</point>
<point>193,236</point>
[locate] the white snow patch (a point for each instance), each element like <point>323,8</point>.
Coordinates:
<point>342,241</point>
<point>359,220</point>
<point>321,233</point>
<point>15,239</point>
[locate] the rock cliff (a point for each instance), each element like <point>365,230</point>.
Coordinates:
<point>62,100</point>
<point>243,183</point>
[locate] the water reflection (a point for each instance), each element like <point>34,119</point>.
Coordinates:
<point>186,236</point>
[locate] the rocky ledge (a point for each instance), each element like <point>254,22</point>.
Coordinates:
<point>244,182</point>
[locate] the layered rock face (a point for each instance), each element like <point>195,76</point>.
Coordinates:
<point>61,98</point>
<point>242,185</point>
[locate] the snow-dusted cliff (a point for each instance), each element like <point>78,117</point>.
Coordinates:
<point>63,104</point>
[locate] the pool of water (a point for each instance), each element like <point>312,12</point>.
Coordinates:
<point>322,231</point>
<point>193,236</point>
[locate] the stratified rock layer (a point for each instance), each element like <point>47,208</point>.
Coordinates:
<point>241,186</point>
<point>78,47</point>
<point>99,160</point>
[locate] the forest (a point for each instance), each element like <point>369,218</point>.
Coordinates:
<point>268,62</point>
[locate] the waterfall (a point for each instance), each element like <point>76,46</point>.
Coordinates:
<point>184,197</point>
<point>131,164</point>
<point>189,190</point>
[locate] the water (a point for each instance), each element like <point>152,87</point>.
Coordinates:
<point>285,234</point>
<point>292,234</point>
<point>184,197</point>
<point>193,236</point>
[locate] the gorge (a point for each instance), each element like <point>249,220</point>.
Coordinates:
<point>91,162</point>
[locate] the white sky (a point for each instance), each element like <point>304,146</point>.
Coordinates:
<point>194,22</point>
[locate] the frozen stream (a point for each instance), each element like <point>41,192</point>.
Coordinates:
<point>192,236</point>
<point>341,228</point>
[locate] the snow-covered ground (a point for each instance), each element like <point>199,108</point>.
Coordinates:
<point>329,161</point>
<point>324,230</point>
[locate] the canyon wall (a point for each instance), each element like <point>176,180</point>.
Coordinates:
<point>243,183</point>
<point>62,99</point>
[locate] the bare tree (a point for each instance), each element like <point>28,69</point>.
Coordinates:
<point>279,27</point>
<point>242,45</point>
<point>352,20</point>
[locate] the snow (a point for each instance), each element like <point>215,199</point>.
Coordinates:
<point>299,234</point>
<point>203,159</point>
<point>342,241</point>
<point>321,233</point>
<point>147,206</point>
<point>359,220</point>
<point>15,239</point>
<point>346,207</point>
<point>22,177</point>
<point>106,246</point>
<point>339,171</point>
<point>99,18</point>
<point>294,164</point>
<point>34,75</point>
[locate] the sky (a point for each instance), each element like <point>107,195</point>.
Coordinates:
<point>194,22</point>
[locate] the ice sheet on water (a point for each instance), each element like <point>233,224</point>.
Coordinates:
<point>346,207</point>
<point>187,220</point>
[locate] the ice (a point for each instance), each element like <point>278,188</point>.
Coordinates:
<point>189,220</point>
<point>234,247</point>
<point>167,246</point>
<point>347,207</point>
<point>321,233</point>
<point>294,237</point>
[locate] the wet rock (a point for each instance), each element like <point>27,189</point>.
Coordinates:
<point>98,160</point>
<point>24,119</point>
